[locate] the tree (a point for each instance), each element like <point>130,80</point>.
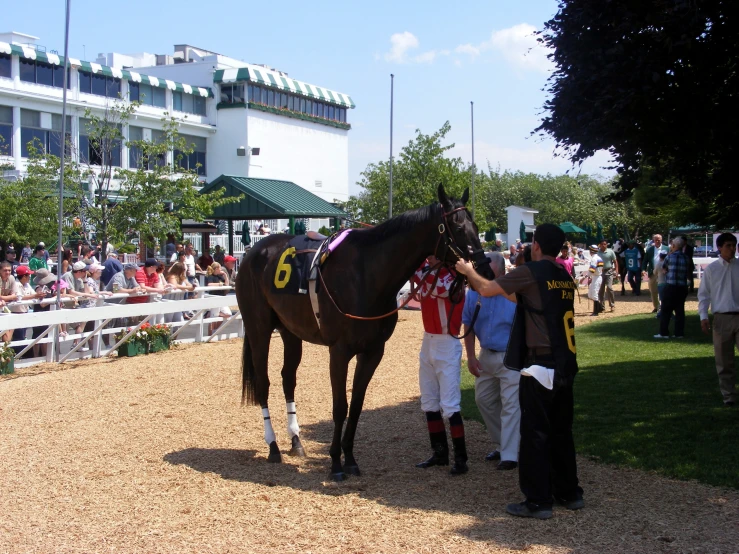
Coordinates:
<point>654,83</point>
<point>420,167</point>
<point>29,208</point>
<point>152,198</point>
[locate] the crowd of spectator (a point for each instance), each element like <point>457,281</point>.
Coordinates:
<point>82,280</point>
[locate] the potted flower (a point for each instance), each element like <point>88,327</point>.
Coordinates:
<point>158,337</point>
<point>135,344</point>
<point>7,359</point>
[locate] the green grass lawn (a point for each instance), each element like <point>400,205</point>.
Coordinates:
<point>648,404</point>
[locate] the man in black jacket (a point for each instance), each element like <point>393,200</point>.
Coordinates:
<point>542,347</point>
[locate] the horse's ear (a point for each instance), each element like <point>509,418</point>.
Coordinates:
<point>443,198</point>
<point>465,196</point>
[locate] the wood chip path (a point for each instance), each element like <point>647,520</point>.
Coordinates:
<point>155,455</point>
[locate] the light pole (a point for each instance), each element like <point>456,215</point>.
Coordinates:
<point>390,193</point>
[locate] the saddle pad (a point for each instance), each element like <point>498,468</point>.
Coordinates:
<point>293,267</point>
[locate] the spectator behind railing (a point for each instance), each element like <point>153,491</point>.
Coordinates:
<point>147,276</point>
<point>216,277</point>
<point>178,281</point>
<point>43,278</point>
<point>66,262</point>
<point>111,266</point>
<point>7,283</point>
<point>229,266</point>
<point>24,291</point>
<point>125,281</point>
<point>11,259</point>
<point>38,260</point>
<point>179,249</point>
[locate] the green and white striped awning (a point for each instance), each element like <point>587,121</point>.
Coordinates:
<point>95,68</point>
<point>264,76</point>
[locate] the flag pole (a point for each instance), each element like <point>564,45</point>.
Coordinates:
<point>60,238</point>
<point>390,193</point>
<point>472,126</point>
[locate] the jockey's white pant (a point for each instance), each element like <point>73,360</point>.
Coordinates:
<point>439,376</point>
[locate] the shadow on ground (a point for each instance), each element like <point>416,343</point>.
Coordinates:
<point>392,439</point>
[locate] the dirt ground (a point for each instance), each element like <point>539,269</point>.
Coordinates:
<point>155,454</point>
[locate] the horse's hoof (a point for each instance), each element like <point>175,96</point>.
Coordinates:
<point>352,470</point>
<point>297,448</point>
<point>338,477</point>
<point>274,454</point>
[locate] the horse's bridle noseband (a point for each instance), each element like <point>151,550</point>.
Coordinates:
<point>477,257</point>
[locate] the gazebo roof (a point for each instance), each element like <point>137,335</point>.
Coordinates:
<point>269,199</point>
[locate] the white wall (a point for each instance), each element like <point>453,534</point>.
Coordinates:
<point>231,134</point>
<point>299,151</point>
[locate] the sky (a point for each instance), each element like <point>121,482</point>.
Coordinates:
<point>443,56</point>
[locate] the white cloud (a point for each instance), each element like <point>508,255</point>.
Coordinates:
<point>473,51</point>
<point>400,44</point>
<point>426,57</point>
<point>517,45</point>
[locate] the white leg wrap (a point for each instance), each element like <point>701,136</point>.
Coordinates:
<point>269,434</point>
<point>292,420</point>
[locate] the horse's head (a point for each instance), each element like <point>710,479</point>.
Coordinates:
<point>460,235</point>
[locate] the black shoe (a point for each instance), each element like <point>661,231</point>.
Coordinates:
<point>435,460</point>
<point>507,465</point>
<point>654,311</point>
<point>494,455</point>
<point>729,403</point>
<point>593,314</point>
<point>576,504</point>
<point>526,509</point>
<point>459,467</point>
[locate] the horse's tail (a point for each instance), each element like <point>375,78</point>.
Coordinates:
<point>248,377</point>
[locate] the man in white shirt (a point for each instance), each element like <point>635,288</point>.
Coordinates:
<point>719,288</point>
<point>190,265</point>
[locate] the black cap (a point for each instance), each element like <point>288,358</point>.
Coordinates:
<point>151,262</point>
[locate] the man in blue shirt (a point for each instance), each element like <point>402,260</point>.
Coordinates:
<point>111,266</point>
<point>496,387</point>
<point>676,268</point>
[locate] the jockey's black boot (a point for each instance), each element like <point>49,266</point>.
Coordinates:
<point>460,449</point>
<point>439,445</point>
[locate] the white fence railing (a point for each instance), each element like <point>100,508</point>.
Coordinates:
<point>110,319</point>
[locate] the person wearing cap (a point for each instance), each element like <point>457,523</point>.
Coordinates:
<point>92,286</point>
<point>148,278</point>
<point>11,258</point>
<point>111,266</point>
<point>125,281</point>
<point>229,266</point>
<point>23,291</point>
<point>496,386</point>
<point>46,252</point>
<point>38,260</point>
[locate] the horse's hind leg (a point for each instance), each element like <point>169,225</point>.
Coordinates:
<point>293,355</point>
<point>367,363</point>
<point>338,369</point>
<point>259,346</point>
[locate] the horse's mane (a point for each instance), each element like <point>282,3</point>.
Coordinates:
<point>400,223</point>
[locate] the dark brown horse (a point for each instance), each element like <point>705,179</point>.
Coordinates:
<point>363,276</point>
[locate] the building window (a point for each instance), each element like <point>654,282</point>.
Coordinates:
<point>293,102</point>
<point>5,64</point>
<point>188,103</point>
<point>94,151</point>
<point>136,157</point>
<point>147,94</point>
<point>99,85</point>
<point>6,131</point>
<point>41,73</point>
<point>232,94</point>
<point>195,160</point>
<point>47,140</point>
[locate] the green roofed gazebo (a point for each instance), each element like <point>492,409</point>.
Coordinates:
<point>268,199</point>
<point>569,227</point>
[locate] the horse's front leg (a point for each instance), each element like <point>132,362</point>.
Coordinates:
<point>367,363</point>
<point>338,368</point>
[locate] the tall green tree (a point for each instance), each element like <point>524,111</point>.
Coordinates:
<point>420,167</point>
<point>655,83</point>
